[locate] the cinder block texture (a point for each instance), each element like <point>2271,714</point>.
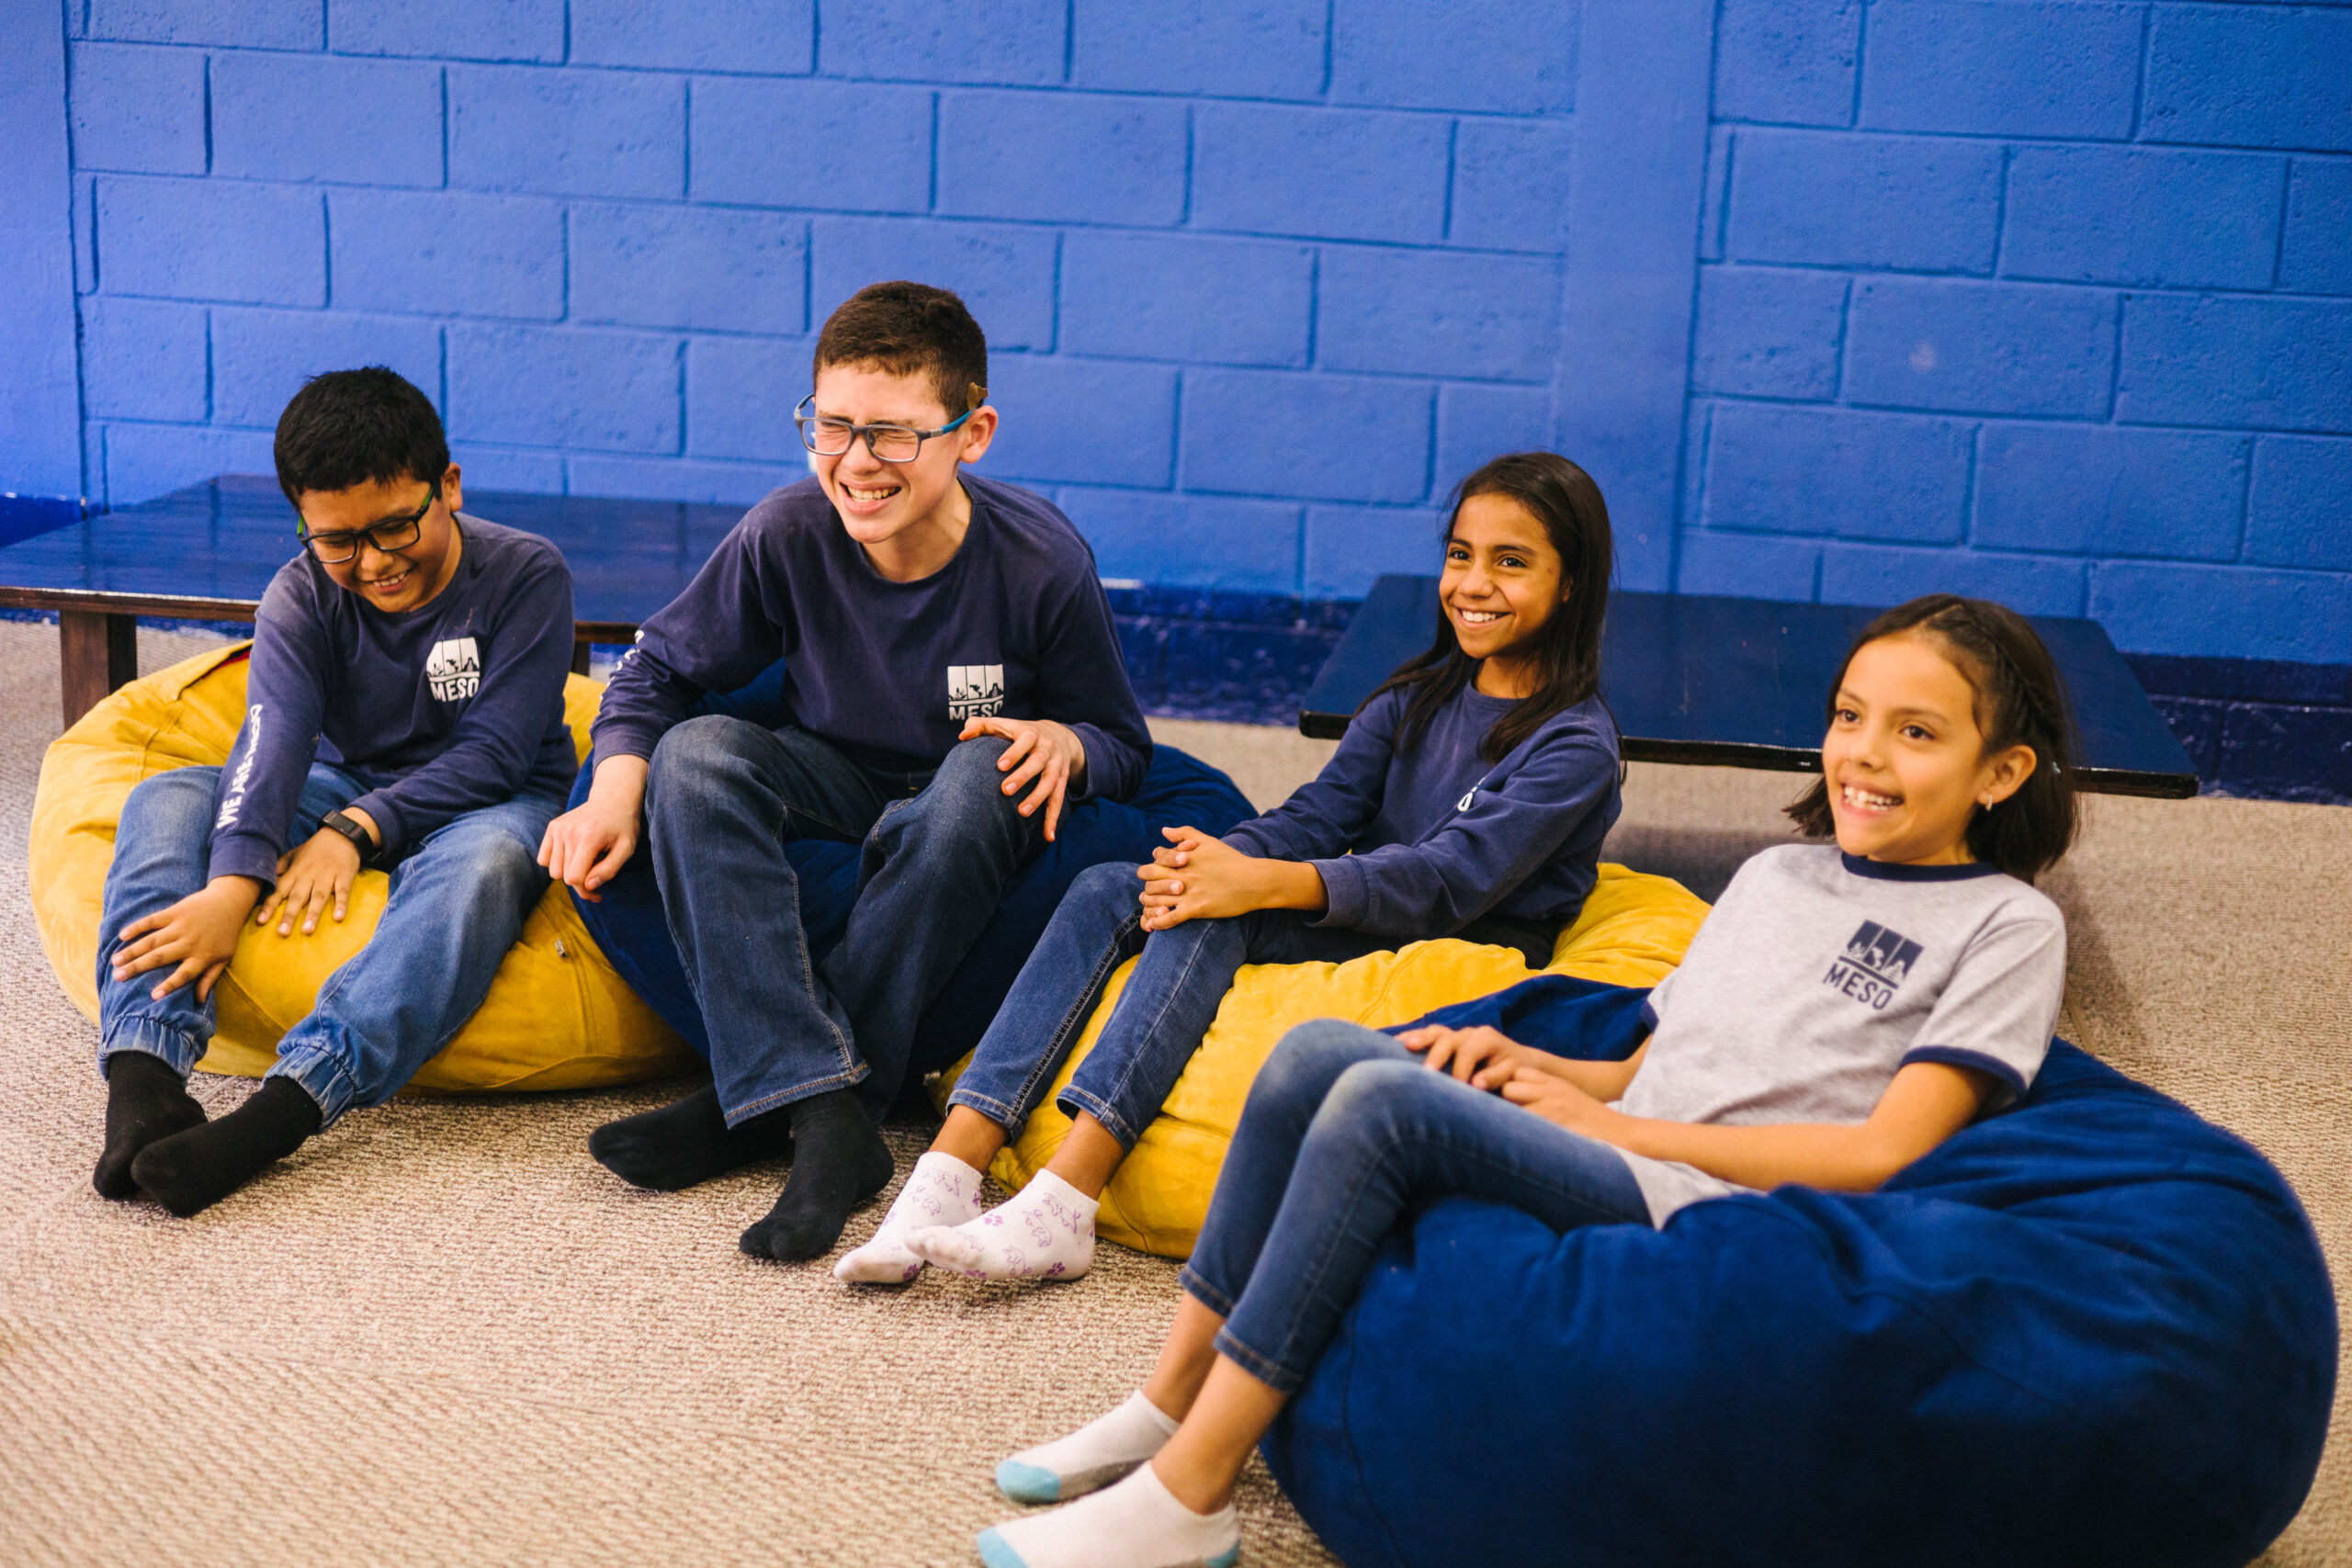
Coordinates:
<point>2002,67</point>
<point>1022,42</point>
<point>306,116</point>
<point>260,358</point>
<point>448,252</point>
<point>1863,476</point>
<point>1208,301</point>
<point>508,31</point>
<point>739,397</point>
<point>1004,272</point>
<point>2250,77</point>
<point>1070,157</point>
<point>1911,204</point>
<point>845,146</point>
<point>1878,575</point>
<point>1510,184</point>
<point>251,24</point>
<point>1263,51</point>
<point>548,387</point>
<point>1318,437</point>
<point>1475,424</point>
<point>143,461</point>
<point>1768,331</point>
<point>137,111</point>
<point>567,132</point>
<point>2231,360</point>
<point>1980,348</point>
<point>2316,255</point>
<point>1491,55</point>
<point>1319,172</point>
<point>771,37</point>
<point>2103,491</point>
<point>1213,541</point>
<point>2169,220</point>
<point>255,244</point>
<point>2163,607</point>
<point>1082,420</point>
<point>1349,547</point>
<point>1487,317</point>
<point>682,267</point>
<point>1790,62</point>
<point>1750,565</point>
<point>2299,512</point>
<point>144,359</point>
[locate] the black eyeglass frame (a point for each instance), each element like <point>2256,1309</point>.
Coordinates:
<point>804,417</point>
<point>374,534</point>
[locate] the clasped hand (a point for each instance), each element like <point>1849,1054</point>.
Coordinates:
<point>1197,876</point>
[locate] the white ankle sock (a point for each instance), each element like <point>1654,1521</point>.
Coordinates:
<point>1044,1232</point>
<point>942,1191</point>
<point>1095,1455</point>
<point>1136,1524</point>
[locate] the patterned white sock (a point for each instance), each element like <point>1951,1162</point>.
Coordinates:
<point>1095,1455</point>
<point>1136,1524</point>
<point>942,1191</point>
<point>1043,1232</point>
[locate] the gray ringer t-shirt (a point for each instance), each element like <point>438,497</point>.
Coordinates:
<point>1819,975</point>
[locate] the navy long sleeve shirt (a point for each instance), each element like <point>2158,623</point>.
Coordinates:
<point>1419,843</point>
<point>1015,625</point>
<point>439,710</point>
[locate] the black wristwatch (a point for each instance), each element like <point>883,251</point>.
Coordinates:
<point>338,822</point>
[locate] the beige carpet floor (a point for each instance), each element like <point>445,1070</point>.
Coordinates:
<point>441,1335</point>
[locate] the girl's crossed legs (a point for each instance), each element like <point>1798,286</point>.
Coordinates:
<point>1344,1130</point>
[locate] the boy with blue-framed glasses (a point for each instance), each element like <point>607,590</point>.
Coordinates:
<point>954,681</point>
<point>404,709</point>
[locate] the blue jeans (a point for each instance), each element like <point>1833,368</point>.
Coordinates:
<point>1343,1130</point>
<point>1170,1002</point>
<point>458,900</point>
<point>723,797</point>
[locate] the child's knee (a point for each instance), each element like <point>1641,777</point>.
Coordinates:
<point>695,750</point>
<point>1373,1090</point>
<point>1312,1058</point>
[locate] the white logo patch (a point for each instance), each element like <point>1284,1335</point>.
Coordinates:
<point>453,670</point>
<point>975,691</point>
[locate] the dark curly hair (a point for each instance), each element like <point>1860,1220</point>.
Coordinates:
<point>2021,701</point>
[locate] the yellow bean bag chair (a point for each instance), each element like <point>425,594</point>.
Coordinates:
<point>557,1016</point>
<point>1633,930</point>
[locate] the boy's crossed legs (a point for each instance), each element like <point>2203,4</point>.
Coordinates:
<point>804,1057</point>
<point>458,904</point>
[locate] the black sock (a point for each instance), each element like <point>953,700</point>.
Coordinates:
<point>190,1171</point>
<point>687,1141</point>
<point>838,1162</point>
<point>146,1101</point>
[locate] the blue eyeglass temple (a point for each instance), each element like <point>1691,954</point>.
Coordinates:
<point>861,429</point>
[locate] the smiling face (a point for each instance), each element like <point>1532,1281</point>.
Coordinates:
<point>391,580</point>
<point>1904,761</point>
<point>909,516</point>
<point>1502,581</point>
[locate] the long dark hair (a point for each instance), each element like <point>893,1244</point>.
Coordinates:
<point>2021,701</point>
<point>1568,648</point>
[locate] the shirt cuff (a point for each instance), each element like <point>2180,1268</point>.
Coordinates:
<point>1098,747</point>
<point>241,854</point>
<point>1992,1067</point>
<point>1344,893</point>
<point>382,811</point>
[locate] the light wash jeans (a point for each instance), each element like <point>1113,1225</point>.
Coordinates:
<point>722,798</point>
<point>1344,1130</point>
<point>458,900</point>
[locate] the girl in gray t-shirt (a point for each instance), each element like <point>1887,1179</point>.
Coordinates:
<point>1842,1012</point>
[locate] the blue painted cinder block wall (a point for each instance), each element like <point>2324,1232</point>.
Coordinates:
<point>2050,301</point>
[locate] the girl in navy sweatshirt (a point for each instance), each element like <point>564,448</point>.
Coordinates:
<point>1469,798</point>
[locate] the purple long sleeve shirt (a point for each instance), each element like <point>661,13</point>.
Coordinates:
<point>1421,843</point>
<point>439,710</point>
<point>1015,625</point>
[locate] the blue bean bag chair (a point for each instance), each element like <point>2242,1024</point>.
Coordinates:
<point>2093,1329</point>
<point>628,924</point>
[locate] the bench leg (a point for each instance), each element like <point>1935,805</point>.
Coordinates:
<point>580,656</point>
<point>98,655</point>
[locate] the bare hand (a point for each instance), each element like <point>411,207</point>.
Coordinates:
<point>587,846</point>
<point>198,935</point>
<point>316,876</point>
<point>1051,755</point>
<point>1482,1058</point>
<point>1557,1101</point>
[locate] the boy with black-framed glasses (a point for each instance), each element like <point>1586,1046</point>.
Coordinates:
<point>954,681</point>
<point>404,709</point>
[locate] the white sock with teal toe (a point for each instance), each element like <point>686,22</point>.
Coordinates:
<point>1136,1524</point>
<point>941,1191</point>
<point>1044,1232</point>
<point>1094,1455</point>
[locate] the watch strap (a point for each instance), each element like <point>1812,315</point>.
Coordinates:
<point>338,823</point>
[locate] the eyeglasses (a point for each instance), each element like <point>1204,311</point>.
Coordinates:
<point>892,443</point>
<point>389,537</point>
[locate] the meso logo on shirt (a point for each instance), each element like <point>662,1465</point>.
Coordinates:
<point>453,670</point>
<point>975,691</point>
